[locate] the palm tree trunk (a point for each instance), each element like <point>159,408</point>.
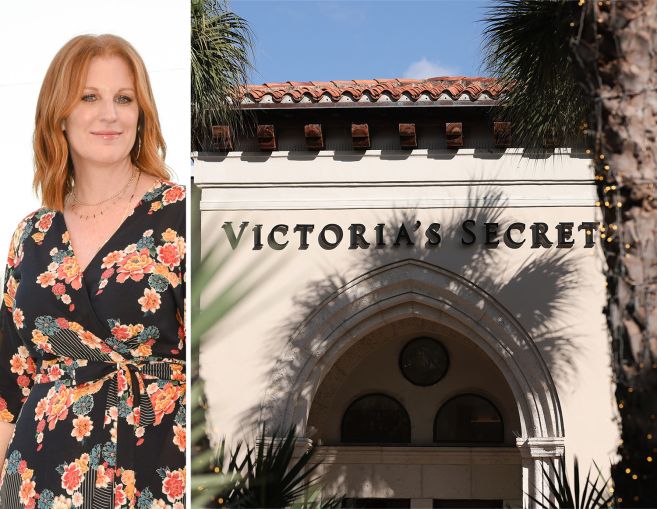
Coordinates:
<point>617,53</point>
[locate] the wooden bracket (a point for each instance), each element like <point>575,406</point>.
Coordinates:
<point>314,138</point>
<point>360,136</point>
<point>502,134</point>
<point>454,134</point>
<point>551,141</point>
<point>222,138</point>
<point>407,137</point>
<point>266,137</point>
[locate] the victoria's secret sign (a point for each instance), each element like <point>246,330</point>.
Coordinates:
<point>359,236</point>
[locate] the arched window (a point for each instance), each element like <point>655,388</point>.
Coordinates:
<point>423,361</point>
<point>468,419</point>
<point>376,419</point>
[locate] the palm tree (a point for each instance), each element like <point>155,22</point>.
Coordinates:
<point>221,47</point>
<point>220,50</point>
<point>528,49</point>
<point>592,64</point>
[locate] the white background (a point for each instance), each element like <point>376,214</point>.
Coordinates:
<point>30,35</point>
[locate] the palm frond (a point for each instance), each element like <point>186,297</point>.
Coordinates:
<point>221,47</point>
<point>528,48</point>
<point>269,475</point>
<point>595,495</point>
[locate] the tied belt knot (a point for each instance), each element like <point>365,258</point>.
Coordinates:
<point>133,370</point>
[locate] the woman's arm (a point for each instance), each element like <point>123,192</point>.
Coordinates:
<point>6,431</point>
<point>15,363</point>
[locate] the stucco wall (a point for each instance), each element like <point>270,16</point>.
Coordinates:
<point>556,294</point>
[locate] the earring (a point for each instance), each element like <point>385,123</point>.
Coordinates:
<point>138,140</point>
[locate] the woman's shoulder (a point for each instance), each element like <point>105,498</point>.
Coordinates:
<point>35,225</point>
<point>165,194</point>
<point>40,219</point>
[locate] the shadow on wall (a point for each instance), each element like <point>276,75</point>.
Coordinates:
<point>539,293</point>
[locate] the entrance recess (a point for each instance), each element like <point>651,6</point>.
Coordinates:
<point>413,288</point>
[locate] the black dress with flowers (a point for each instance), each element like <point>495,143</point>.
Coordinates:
<point>92,368</point>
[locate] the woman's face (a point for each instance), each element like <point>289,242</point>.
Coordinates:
<point>102,127</point>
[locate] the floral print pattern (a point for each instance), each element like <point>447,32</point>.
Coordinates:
<point>92,363</point>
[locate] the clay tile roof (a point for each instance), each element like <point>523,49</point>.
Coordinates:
<point>447,88</point>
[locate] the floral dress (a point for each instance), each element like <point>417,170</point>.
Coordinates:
<point>92,368</point>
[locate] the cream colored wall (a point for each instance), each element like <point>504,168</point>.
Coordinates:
<point>422,473</point>
<point>556,294</point>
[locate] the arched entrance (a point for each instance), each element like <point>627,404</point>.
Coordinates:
<point>415,289</point>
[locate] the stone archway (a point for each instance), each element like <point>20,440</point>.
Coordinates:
<point>414,288</point>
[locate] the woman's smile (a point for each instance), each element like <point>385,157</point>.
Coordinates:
<point>107,135</point>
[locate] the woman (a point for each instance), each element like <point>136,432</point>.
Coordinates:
<point>92,376</point>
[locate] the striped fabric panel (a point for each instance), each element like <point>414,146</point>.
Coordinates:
<point>146,415</point>
<point>66,343</point>
<point>161,370</point>
<point>112,398</point>
<point>87,489</point>
<point>11,491</point>
<point>103,498</point>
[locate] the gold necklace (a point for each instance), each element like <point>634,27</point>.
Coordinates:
<point>132,196</point>
<point>75,203</point>
<point>125,212</point>
<point>116,195</point>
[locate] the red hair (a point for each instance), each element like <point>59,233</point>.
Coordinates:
<point>61,90</point>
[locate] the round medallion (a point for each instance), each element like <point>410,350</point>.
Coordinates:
<point>423,361</point>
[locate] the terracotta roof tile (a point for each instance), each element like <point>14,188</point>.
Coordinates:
<point>396,88</point>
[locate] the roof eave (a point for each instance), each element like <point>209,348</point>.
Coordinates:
<point>351,105</point>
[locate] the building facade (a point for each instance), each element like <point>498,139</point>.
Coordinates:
<point>428,297</point>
